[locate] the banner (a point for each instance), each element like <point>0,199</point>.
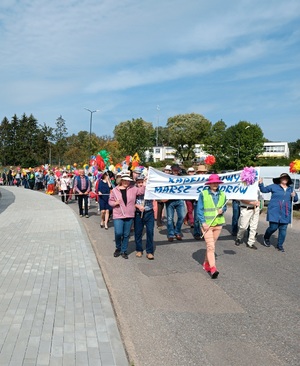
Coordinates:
<point>161,186</point>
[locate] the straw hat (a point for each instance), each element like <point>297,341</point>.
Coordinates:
<point>201,169</point>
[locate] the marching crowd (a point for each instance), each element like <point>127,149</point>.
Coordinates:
<point>122,197</point>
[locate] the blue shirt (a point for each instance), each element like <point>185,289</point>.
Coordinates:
<point>148,204</point>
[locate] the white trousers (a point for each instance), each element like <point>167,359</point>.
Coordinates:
<point>248,218</point>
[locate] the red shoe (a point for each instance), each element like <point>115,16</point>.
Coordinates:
<point>214,272</point>
<point>206,266</point>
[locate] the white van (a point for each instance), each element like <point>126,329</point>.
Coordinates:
<point>270,172</point>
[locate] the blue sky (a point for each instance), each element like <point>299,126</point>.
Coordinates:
<point>232,60</point>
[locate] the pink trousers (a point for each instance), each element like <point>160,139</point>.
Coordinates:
<point>211,237</point>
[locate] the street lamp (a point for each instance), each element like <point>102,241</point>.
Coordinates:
<point>91,120</point>
<point>239,147</point>
<point>238,155</point>
<point>158,109</point>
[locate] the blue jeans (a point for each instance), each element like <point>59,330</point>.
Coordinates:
<point>139,222</point>
<point>172,206</point>
<point>235,217</point>
<point>122,233</point>
<point>273,226</point>
<point>197,231</point>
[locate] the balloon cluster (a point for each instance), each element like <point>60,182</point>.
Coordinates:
<point>248,175</point>
<point>130,162</point>
<point>210,160</point>
<point>295,166</point>
<point>98,163</point>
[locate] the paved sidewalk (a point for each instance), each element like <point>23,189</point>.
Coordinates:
<point>54,305</point>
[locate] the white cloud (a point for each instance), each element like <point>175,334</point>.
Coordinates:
<point>66,53</point>
<point>181,68</point>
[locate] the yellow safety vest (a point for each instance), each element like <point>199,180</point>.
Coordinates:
<point>211,210</point>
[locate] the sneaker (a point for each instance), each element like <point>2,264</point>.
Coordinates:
<point>178,237</point>
<point>280,249</point>
<point>251,246</point>
<point>87,216</point>
<point>171,238</point>
<point>238,242</point>
<point>206,267</point>
<point>150,256</point>
<point>197,237</point>
<point>124,255</point>
<point>139,254</point>
<point>117,253</point>
<point>80,215</point>
<point>267,242</point>
<point>214,272</point>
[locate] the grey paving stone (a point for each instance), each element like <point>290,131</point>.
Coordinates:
<point>54,305</point>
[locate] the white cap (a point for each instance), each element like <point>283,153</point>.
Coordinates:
<point>190,169</point>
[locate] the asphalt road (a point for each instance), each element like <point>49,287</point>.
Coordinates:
<point>171,313</point>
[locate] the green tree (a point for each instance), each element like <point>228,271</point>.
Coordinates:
<point>213,144</point>
<point>60,134</point>
<point>294,148</point>
<point>186,130</point>
<point>44,144</point>
<point>5,141</point>
<point>162,136</point>
<point>22,141</point>
<point>27,142</point>
<point>243,143</point>
<point>134,136</point>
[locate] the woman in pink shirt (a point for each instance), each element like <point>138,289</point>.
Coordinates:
<point>122,199</point>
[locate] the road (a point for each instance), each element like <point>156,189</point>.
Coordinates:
<point>171,313</point>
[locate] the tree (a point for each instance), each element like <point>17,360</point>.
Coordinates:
<point>162,136</point>
<point>28,151</point>
<point>134,136</point>
<point>45,143</point>
<point>5,140</point>
<point>294,148</point>
<point>213,144</point>
<point>243,142</point>
<point>60,134</point>
<point>186,130</point>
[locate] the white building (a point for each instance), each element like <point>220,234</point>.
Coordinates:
<point>160,153</point>
<point>271,150</point>
<point>276,150</point>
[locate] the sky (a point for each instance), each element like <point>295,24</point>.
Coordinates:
<point>234,60</point>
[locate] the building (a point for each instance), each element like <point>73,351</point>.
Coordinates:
<point>275,150</point>
<point>160,153</point>
<point>271,150</point>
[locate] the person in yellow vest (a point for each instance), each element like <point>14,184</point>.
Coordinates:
<point>210,211</point>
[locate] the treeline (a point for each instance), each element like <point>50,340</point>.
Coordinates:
<point>25,142</point>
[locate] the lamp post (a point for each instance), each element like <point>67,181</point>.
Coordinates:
<point>50,162</point>
<point>158,109</point>
<point>238,156</point>
<point>239,147</point>
<point>91,121</point>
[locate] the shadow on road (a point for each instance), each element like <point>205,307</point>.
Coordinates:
<point>6,199</point>
<point>199,256</point>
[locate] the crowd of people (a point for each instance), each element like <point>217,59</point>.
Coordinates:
<point>120,197</point>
